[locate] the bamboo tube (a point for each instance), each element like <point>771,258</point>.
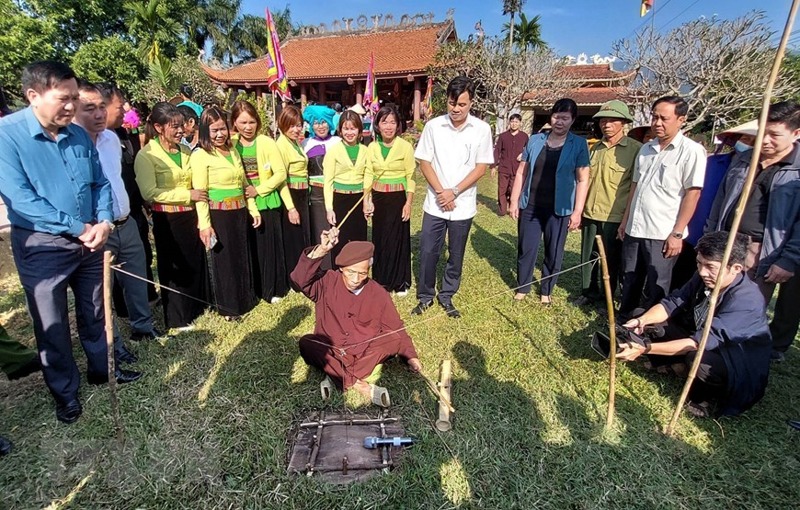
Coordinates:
<point>108,258</point>
<point>612,333</point>
<point>445,379</point>
<point>748,184</point>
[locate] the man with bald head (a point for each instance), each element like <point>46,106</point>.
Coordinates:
<point>357,326</point>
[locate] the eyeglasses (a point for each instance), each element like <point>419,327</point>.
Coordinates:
<point>352,272</point>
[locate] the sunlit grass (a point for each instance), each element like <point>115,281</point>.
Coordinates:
<point>209,424</point>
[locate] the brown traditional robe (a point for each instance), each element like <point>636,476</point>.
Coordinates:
<point>348,321</point>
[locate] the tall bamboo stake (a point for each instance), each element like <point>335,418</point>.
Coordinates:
<point>108,258</point>
<point>612,333</point>
<point>748,184</point>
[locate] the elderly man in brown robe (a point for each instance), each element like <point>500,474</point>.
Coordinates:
<point>357,325</point>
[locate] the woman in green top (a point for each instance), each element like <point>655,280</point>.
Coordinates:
<point>265,175</point>
<point>224,221</point>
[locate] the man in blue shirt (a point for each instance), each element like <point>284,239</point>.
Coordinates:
<point>59,206</point>
<point>734,367</point>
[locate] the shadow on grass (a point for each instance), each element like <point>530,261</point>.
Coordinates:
<point>500,252</point>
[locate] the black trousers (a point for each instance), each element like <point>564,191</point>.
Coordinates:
<point>319,220</point>
<point>785,322</point>
<point>646,274</point>
<point>47,265</point>
<point>297,237</point>
<point>431,243</point>
<point>534,225</point>
<point>711,383</point>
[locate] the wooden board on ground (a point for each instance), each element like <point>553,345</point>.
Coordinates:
<point>331,445</point>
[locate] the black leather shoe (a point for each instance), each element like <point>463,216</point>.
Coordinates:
<point>450,310</point>
<point>421,307</point>
<point>122,376</point>
<point>154,334</point>
<point>34,365</point>
<point>126,356</point>
<point>69,412</point>
<point>5,446</point>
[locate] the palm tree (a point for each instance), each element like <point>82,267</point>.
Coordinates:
<point>527,33</point>
<point>512,7</point>
<point>150,25</point>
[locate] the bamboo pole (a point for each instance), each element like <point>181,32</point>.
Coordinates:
<point>748,184</point>
<point>445,381</point>
<point>108,258</point>
<point>612,333</point>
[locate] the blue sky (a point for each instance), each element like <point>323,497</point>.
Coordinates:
<point>569,26</point>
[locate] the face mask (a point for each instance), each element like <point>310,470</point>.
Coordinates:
<point>741,146</point>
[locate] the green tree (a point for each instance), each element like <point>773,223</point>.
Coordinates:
<point>512,7</point>
<point>78,21</point>
<point>223,22</point>
<point>23,39</point>
<point>166,75</point>
<point>154,27</point>
<point>527,33</point>
<point>110,59</point>
<point>252,36</point>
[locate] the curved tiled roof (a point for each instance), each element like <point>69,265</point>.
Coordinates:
<point>397,52</point>
<point>589,96</point>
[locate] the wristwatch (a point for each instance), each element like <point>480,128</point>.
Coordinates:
<point>455,191</point>
<point>677,235</point>
<point>110,224</point>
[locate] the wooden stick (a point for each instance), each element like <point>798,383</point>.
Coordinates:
<point>108,258</point>
<point>435,390</point>
<point>339,224</point>
<point>612,333</point>
<point>748,184</point>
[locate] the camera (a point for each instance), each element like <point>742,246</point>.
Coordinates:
<point>601,343</point>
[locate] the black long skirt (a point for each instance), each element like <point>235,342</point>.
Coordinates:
<point>269,264</point>
<point>232,274</point>
<point>355,228</point>
<point>296,237</point>
<point>392,239</point>
<point>181,266</point>
<point>319,220</point>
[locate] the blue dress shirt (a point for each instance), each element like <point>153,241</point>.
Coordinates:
<point>52,186</point>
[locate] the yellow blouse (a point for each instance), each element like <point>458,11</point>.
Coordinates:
<point>295,161</point>
<point>399,164</point>
<point>214,171</point>
<point>338,168</point>
<point>159,179</point>
<point>271,169</point>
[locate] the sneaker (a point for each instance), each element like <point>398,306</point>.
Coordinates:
<point>421,307</point>
<point>153,334</point>
<point>777,357</point>
<point>184,329</point>
<point>450,310</point>
<point>402,293</point>
<point>275,300</point>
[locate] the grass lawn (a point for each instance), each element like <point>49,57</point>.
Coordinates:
<point>208,426</point>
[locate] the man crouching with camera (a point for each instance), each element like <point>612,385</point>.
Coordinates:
<point>734,368</point>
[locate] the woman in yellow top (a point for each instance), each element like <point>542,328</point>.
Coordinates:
<point>265,177</point>
<point>344,168</point>
<point>165,181</point>
<point>296,222</point>
<point>224,221</point>
<point>391,191</point>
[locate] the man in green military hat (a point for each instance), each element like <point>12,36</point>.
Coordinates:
<point>611,169</point>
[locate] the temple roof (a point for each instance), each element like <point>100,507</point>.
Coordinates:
<point>397,53</point>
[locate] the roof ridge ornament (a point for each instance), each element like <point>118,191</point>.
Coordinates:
<point>378,22</point>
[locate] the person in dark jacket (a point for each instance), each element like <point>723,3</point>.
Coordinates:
<point>734,368</point>
<point>771,218</point>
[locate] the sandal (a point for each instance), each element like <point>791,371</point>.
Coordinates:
<point>701,410</point>
<point>326,388</point>
<point>379,395</point>
<point>519,296</point>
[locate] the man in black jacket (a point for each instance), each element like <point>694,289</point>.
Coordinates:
<point>734,368</point>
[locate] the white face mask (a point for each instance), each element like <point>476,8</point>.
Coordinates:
<point>740,146</point>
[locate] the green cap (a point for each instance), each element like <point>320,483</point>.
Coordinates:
<point>614,109</point>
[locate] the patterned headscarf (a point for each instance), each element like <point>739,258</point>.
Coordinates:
<point>319,113</point>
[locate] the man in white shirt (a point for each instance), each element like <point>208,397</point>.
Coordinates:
<point>124,241</point>
<point>667,179</point>
<point>454,151</point>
